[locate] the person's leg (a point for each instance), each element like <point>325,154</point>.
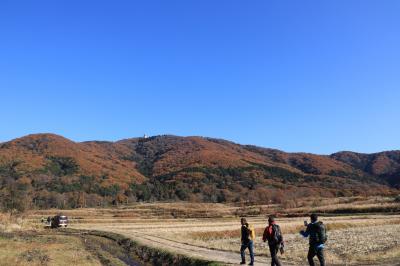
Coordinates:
<point>251,249</point>
<point>320,255</point>
<point>273,249</point>
<point>310,256</point>
<point>277,262</point>
<point>242,254</point>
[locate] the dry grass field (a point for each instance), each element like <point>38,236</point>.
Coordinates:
<point>32,249</point>
<point>206,231</point>
<point>352,239</point>
<point>211,231</point>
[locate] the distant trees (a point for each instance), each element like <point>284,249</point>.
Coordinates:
<point>15,189</point>
<point>61,184</point>
<point>57,185</point>
<point>15,195</point>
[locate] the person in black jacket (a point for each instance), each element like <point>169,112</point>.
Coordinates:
<point>273,235</point>
<point>246,241</point>
<point>317,233</point>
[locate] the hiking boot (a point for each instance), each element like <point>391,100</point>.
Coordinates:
<point>251,263</point>
<point>242,263</point>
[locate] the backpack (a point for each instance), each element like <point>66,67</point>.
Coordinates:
<point>252,233</point>
<point>276,237</point>
<point>322,236</point>
<point>277,233</point>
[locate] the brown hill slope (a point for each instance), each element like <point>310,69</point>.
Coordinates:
<point>52,171</point>
<point>35,153</point>
<point>384,165</point>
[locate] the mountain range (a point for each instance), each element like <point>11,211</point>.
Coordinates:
<point>48,170</point>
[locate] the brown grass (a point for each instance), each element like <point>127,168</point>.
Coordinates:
<point>222,230</point>
<point>39,250</point>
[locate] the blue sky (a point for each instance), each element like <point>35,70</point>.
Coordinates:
<point>313,76</point>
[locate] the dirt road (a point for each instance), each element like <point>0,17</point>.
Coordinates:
<point>226,257</point>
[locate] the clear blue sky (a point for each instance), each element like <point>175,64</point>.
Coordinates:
<point>313,76</point>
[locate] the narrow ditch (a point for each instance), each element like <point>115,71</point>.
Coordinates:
<point>114,249</point>
<point>108,251</point>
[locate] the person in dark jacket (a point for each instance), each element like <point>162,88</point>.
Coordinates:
<point>273,235</point>
<point>247,242</point>
<point>317,233</point>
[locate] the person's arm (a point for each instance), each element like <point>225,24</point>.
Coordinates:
<point>305,233</point>
<point>245,233</point>
<point>264,237</point>
<point>248,231</point>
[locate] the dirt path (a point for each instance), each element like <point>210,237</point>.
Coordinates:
<point>227,257</point>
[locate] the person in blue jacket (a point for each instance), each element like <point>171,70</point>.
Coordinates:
<point>317,233</point>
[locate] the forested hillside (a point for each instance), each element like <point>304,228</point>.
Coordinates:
<point>46,170</point>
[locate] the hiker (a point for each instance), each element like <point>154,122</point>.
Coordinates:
<point>273,235</point>
<point>317,233</point>
<point>248,235</point>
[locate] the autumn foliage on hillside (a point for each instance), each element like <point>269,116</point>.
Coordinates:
<point>47,170</point>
